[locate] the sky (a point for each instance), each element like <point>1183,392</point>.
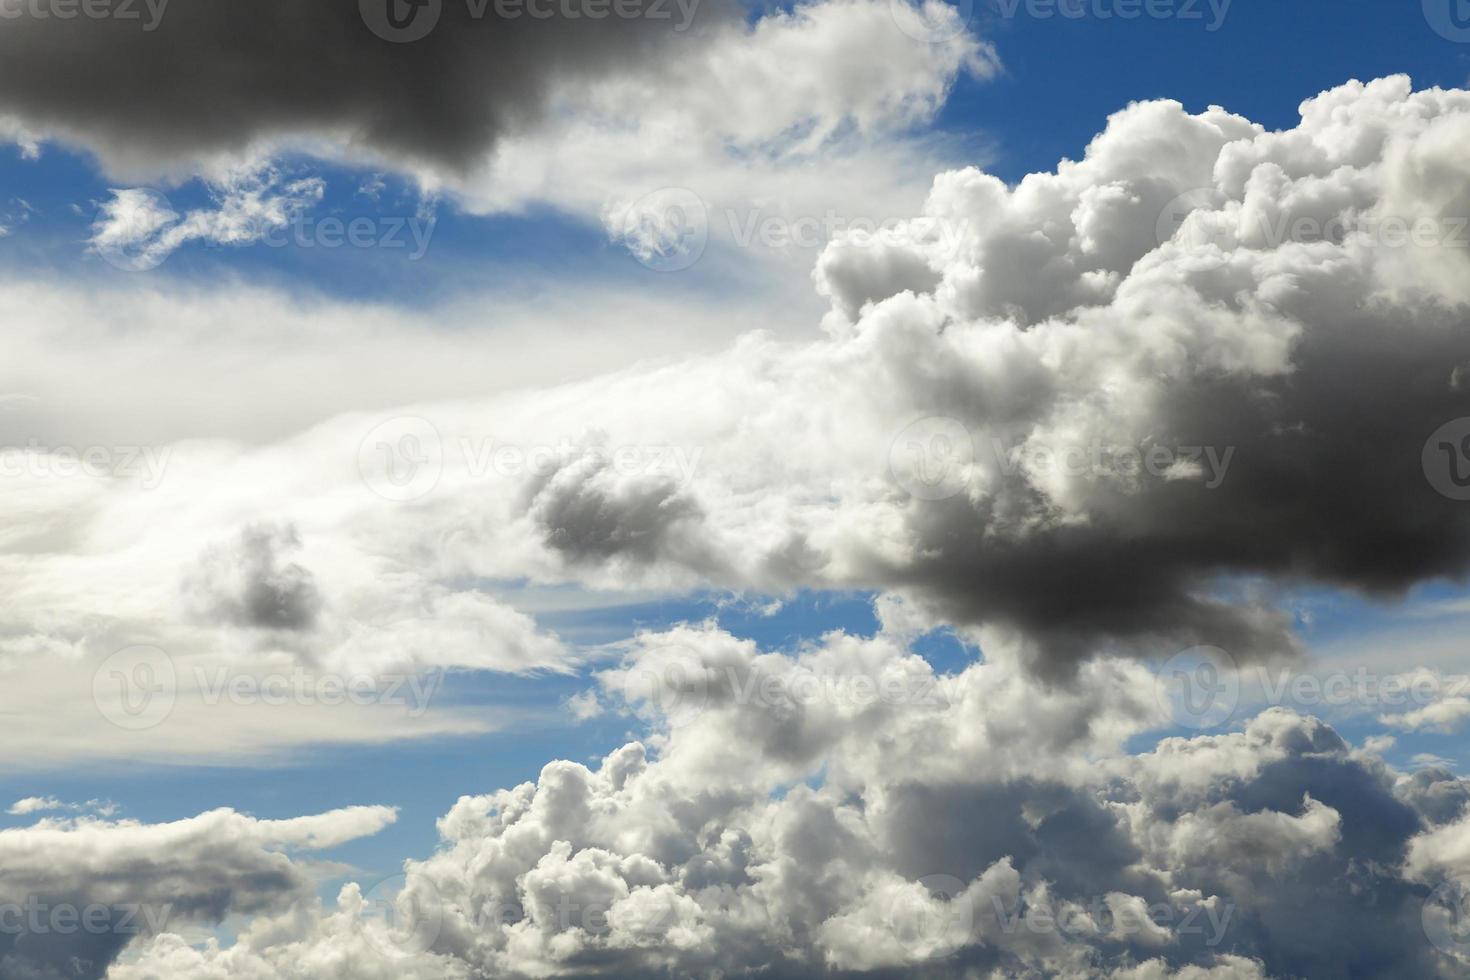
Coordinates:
<point>456,481</point>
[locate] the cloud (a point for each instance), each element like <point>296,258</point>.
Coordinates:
<point>994,458</point>
<point>249,585</point>
<point>42,804</point>
<point>76,892</point>
<point>471,79</point>
<point>785,814</point>
<point>138,229</point>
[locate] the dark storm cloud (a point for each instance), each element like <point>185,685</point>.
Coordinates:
<point>1325,484</point>
<point>214,76</point>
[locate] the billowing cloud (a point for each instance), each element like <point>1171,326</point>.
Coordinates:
<point>844,809</point>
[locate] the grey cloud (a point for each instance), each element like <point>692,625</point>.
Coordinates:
<point>250,584</point>
<point>74,894</point>
<point>217,77</point>
<point>1267,839</point>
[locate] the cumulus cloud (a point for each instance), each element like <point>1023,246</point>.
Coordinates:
<point>815,813</point>
<point>1142,389</point>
